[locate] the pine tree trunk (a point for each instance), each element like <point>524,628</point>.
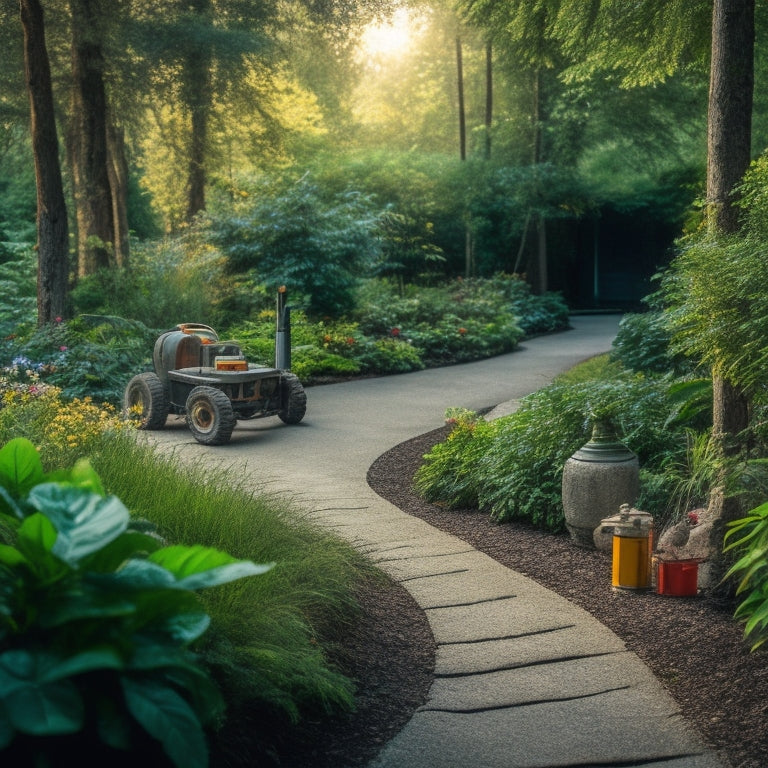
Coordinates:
<point>488,98</point>
<point>728,153</point>
<point>118,183</point>
<point>460,88</point>
<point>52,231</point>
<point>729,124</point>
<point>198,94</point>
<point>729,143</point>
<point>88,143</point>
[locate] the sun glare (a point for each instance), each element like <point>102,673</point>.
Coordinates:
<point>392,37</point>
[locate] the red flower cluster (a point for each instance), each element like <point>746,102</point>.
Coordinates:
<point>395,331</point>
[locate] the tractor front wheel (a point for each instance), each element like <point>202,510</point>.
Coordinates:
<point>209,416</point>
<point>293,399</point>
<point>144,400</point>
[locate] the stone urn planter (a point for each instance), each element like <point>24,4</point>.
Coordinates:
<point>597,479</point>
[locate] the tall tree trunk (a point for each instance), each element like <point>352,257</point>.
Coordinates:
<point>88,141</point>
<point>118,183</point>
<point>52,234</point>
<point>729,135</point>
<point>468,256</point>
<point>729,126</point>
<point>729,143</point>
<point>462,113</point>
<point>199,98</point>
<point>541,279</point>
<point>488,97</point>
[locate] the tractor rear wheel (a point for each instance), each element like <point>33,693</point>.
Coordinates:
<point>210,417</point>
<point>144,399</point>
<point>293,399</point>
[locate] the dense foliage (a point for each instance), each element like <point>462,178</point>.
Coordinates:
<point>97,616</point>
<point>748,537</point>
<point>512,466</point>
<point>293,236</point>
<point>389,328</point>
<point>269,638</point>
<point>716,309</point>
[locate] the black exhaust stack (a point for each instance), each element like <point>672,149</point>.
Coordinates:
<point>283,332</point>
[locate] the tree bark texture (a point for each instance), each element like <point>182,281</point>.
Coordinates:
<point>729,140</point>
<point>117,169</point>
<point>729,150</point>
<point>488,97</point>
<point>199,98</point>
<point>88,142</point>
<point>52,230</point>
<point>460,88</point>
<point>729,132</point>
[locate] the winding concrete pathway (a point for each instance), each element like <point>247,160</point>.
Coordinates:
<point>523,677</point>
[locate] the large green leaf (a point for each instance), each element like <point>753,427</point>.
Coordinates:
<point>131,543</point>
<point>20,467</point>
<point>81,475</point>
<point>198,567</point>
<point>11,556</point>
<point>36,703</point>
<point>36,539</point>
<point>137,574</point>
<point>184,624</point>
<point>181,668</point>
<point>85,521</point>
<point>46,709</point>
<point>87,661</point>
<point>88,601</point>
<point>8,505</point>
<point>166,716</point>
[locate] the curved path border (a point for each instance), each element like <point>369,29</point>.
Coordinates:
<point>523,677</point>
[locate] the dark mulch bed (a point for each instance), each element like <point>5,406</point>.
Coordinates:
<point>691,644</point>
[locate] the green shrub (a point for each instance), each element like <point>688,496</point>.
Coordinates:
<point>448,474</point>
<point>91,356</point>
<point>96,620</point>
<point>169,281</point>
<point>514,468</point>
<point>536,314</point>
<point>748,537</point>
<point>18,297</point>
<point>463,320</point>
<point>292,234</point>
<point>310,362</point>
<point>385,356</point>
<point>642,344</point>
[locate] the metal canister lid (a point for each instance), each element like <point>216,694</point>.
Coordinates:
<point>632,522</point>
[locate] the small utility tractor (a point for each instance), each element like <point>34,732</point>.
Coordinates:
<point>210,382</point>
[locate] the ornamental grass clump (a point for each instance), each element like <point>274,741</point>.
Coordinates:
<point>271,638</point>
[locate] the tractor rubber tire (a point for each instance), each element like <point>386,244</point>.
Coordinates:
<point>144,399</point>
<point>210,417</point>
<point>293,398</point>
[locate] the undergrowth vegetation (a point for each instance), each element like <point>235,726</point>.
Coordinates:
<point>98,615</point>
<point>388,328</point>
<point>269,639</point>
<point>512,466</point>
